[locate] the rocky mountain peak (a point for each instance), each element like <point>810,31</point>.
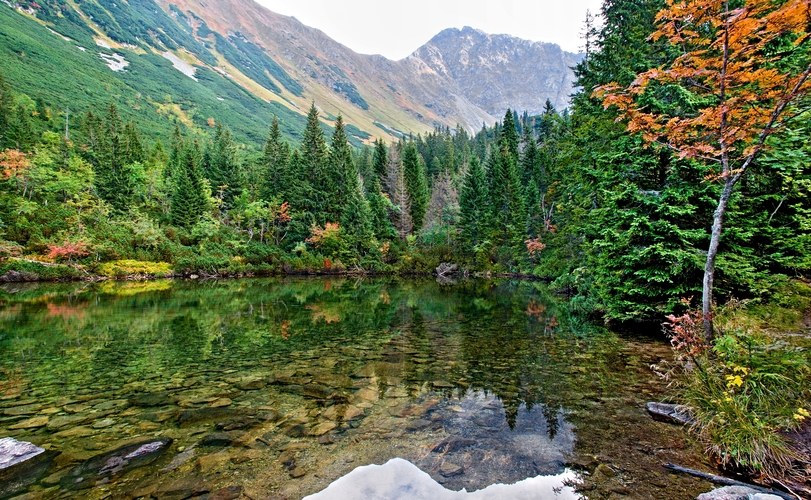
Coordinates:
<point>495,72</point>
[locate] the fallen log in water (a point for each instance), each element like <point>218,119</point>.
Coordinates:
<point>726,481</point>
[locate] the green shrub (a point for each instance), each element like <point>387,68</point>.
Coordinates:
<point>121,268</point>
<point>21,270</point>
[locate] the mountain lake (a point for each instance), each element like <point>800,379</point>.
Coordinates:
<point>275,388</point>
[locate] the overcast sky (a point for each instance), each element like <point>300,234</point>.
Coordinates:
<point>396,29</point>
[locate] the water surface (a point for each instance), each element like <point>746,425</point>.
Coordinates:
<point>283,386</point>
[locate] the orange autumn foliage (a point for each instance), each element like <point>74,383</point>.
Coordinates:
<point>320,235</point>
<point>13,163</point>
<point>68,250</point>
<point>727,61</point>
<point>534,246</point>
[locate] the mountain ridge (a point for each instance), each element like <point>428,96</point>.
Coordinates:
<point>288,65</point>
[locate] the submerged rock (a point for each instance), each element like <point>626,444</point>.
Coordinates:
<point>197,415</point>
<point>251,383</point>
<point>452,444</point>
<point>154,399</point>
<point>220,438</point>
<point>317,391</point>
<point>448,469</point>
<point>114,463</point>
<point>21,464</point>
<point>182,488</point>
<point>31,423</point>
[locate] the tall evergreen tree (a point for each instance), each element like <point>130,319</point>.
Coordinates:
<point>133,147</point>
<point>380,159</point>
<point>189,198</point>
<point>340,174</point>
<point>220,165</point>
<point>397,189</point>
<point>277,175</point>
<point>313,163</point>
<point>416,183</point>
<point>530,159</point>
<point>449,159</point>
<point>508,135</point>
<point>20,131</point>
<point>506,194</point>
<point>176,146</point>
<point>473,205</point>
<point>116,147</point>
<point>506,198</point>
<point>379,207</point>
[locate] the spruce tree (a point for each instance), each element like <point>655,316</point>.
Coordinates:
<point>345,196</point>
<point>176,145</point>
<point>398,193</point>
<point>133,147</point>
<point>340,174</point>
<point>530,158</point>
<point>363,161</point>
<point>278,179</point>
<point>188,200</point>
<point>380,159</point>
<point>508,135</point>
<point>220,165</point>
<point>416,184</point>
<point>357,222</point>
<point>473,205</point>
<point>379,207</point>
<point>313,164</point>
<point>20,132</point>
<point>112,182</point>
<point>506,195</point>
<point>449,158</point>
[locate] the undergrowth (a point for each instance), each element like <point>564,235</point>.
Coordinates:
<point>751,386</point>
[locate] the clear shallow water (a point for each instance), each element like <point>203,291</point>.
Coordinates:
<point>283,386</point>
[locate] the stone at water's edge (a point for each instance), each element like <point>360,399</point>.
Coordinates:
<point>737,493</point>
<point>114,463</point>
<point>21,464</point>
<point>674,414</point>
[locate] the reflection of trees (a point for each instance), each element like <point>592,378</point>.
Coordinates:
<point>508,339</point>
<point>186,339</point>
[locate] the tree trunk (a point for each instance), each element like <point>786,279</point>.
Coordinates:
<point>712,252</point>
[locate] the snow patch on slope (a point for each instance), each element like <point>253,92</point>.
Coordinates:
<point>115,61</point>
<point>180,65</point>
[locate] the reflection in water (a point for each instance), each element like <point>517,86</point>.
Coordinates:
<point>399,479</point>
<point>281,387</point>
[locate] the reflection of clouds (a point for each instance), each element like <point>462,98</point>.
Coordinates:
<point>399,479</point>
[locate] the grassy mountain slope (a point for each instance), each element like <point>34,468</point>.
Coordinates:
<point>236,63</point>
<point>42,63</point>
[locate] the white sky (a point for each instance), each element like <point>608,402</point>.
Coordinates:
<point>396,29</point>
